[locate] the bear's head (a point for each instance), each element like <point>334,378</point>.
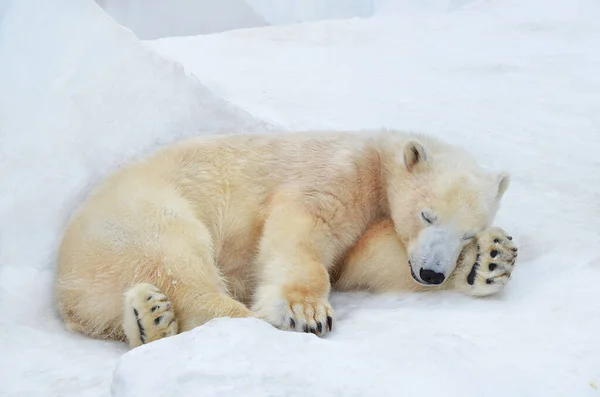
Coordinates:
<point>439,200</point>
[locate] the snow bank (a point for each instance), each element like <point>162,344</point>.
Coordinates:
<point>151,19</point>
<point>79,95</point>
<point>401,349</point>
<point>278,12</point>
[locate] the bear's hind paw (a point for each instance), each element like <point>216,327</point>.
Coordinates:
<point>148,316</point>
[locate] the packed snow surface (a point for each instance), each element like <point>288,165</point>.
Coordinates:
<point>515,82</point>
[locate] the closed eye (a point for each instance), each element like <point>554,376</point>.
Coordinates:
<point>428,217</point>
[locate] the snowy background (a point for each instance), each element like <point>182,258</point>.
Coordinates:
<point>515,81</point>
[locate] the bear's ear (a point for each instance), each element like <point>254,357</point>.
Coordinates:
<point>502,183</point>
<point>414,154</point>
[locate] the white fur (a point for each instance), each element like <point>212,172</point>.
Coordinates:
<point>254,225</point>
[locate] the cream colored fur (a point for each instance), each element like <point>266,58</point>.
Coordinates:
<point>253,225</point>
<point>379,263</point>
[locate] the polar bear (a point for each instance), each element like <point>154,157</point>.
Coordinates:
<point>252,225</point>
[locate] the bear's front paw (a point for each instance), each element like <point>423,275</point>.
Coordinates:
<point>297,309</point>
<point>485,266</point>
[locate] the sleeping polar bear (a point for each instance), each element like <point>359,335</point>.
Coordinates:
<point>263,225</point>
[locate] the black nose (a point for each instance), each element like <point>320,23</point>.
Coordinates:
<point>431,277</point>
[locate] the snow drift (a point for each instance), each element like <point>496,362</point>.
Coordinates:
<point>150,19</point>
<point>79,95</point>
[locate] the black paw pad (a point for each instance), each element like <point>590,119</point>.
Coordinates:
<point>492,266</point>
<point>494,253</point>
<point>157,320</point>
<point>472,274</point>
<point>489,281</point>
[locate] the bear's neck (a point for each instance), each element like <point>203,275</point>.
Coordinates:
<point>393,177</point>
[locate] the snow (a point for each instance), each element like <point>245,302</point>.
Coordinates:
<point>150,19</point>
<point>515,82</point>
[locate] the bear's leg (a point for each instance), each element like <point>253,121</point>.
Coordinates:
<point>485,265</point>
<point>293,286</point>
<point>208,305</point>
<point>377,263</point>
<point>148,315</point>
<point>178,287</point>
